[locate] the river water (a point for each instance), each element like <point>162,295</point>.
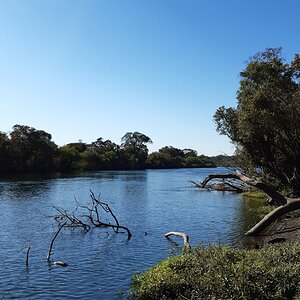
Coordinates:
<point>101,263</point>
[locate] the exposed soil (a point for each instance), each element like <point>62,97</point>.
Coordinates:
<point>285,229</point>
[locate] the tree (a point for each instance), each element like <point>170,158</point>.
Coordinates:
<point>265,125</point>
<point>5,158</point>
<point>162,160</point>
<point>135,151</point>
<point>170,157</point>
<point>189,153</point>
<point>69,158</point>
<point>102,155</point>
<point>31,149</point>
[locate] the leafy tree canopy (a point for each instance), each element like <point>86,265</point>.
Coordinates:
<point>27,149</point>
<point>265,124</point>
<point>31,149</point>
<point>135,151</point>
<point>171,157</point>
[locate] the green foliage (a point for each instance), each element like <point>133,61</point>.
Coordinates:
<point>265,125</point>
<point>134,150</point>
<point>68,157</point>
<point>102,155</point>
<point>29,150</point>
<point>5,156</point>
<point>221,272</point>
<point>225,160</point>
<point>255,194</point>
<point>158,160</point>
<point>170,157</point>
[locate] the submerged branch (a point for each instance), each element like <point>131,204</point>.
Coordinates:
<point>27,257</point>
<point>181,234</point>
<point>52,241</point>
<point>89,214</point>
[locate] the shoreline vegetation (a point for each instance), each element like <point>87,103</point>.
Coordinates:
<point>267,266</point>
<point>28,150</point>
<point>223,272</point>
<point>265,128</point>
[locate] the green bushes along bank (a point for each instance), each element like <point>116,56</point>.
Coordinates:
<point>222,272</point>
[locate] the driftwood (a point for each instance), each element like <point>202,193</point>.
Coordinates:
<point>89,215</point>
<point>181,234</point>
<point>285,204</point>
<point>224,186</point>
<point>60,263</point>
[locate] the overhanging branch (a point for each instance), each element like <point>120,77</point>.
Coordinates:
<point>273,194</point>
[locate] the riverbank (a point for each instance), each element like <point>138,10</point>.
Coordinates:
<point>267,267</point>
<point>286,229</point>
<point>222,272</point>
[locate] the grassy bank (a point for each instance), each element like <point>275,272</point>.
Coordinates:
<point>255,194</point>
<point>222,272</point>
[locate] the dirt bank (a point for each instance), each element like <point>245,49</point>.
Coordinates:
<point>285,229</point>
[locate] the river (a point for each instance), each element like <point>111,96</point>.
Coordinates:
<point>101,263</point>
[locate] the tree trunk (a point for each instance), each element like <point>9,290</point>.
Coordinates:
<point>274,195</point>
<point>292,204</point>
<point>286,205</point>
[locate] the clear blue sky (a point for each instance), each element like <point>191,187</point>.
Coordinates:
<point>87,69</point>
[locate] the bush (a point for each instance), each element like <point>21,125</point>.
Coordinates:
<point>222,272</point>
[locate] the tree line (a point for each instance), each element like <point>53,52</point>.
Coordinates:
<point>27,149</point>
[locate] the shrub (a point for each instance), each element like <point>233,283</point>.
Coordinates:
<point>222,272</point>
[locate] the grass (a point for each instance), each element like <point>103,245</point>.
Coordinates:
<point>260,208</point>
<point>255,194</point>
<point>261,211</point>
<point>223,272</point>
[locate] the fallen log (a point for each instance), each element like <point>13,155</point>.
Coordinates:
<point>181,234</point>
<point>284,204</point>
<point>291,205</point>
<point>273,194</point>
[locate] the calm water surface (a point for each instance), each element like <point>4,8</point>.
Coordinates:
<point>101,265</point>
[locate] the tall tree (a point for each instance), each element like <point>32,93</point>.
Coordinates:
<point>265,125</point>
<point>31,149</point>
<point>135,151</point>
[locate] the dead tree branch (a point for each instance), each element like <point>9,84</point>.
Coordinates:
<point>222,185</point>
<point>181,234</point>
<point>89,214</point>
<point>292,204</point>
<point>27,257</point>
<point>105,207</point>
<point>52,241</point>
<point>70,219</point>
<point>273,194</point>
<point>285,204</point>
